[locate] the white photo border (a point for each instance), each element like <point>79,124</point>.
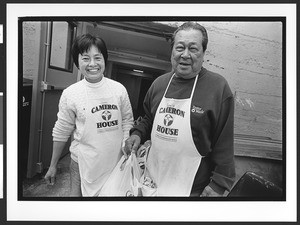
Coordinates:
<point>150,210</point>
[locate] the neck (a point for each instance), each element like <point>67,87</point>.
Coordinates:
<point>94,81</point>
<point>186,77</point>
<point>189,76</point>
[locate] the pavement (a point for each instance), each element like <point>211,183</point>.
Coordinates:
<point>37,187</point>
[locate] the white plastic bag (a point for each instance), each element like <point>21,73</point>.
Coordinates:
<point>130,177</point>
<point>148,186</point>
<point>124,179</point>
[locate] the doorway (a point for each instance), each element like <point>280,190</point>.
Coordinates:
<point>137,81</point>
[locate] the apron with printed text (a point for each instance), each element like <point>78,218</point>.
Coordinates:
<point>101,143</point>
<point>173,158</point>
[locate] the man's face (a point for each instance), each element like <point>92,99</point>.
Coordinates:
<point>187,53</point>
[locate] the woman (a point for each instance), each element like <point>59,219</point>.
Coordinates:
<point>97,111</point>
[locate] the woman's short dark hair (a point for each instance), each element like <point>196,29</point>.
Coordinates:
<point>192,26</point>
<point>84,42</point>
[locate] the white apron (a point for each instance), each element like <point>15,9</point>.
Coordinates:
<point>173,158</point>
<point>101,143</point>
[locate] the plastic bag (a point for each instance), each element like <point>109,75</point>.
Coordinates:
<point>135,176</point>
<point>124,179</point>
<point>147,184</point>
<point>142,154</point>
<point>131,177</point>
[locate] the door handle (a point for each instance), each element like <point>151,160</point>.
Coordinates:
<point>48,87</point>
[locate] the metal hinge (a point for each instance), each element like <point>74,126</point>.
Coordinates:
<point>39,167</point>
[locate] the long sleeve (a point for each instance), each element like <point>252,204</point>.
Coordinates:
<point>65,124</point>
<point>222,155</point>
<point>213,134</point>
<point>143,129</point>
<point>71,117</point>
<point>127,115</point>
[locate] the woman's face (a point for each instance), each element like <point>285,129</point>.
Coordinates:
<point>91,64</point>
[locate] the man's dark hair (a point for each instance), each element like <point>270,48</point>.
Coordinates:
<point>192,26</point>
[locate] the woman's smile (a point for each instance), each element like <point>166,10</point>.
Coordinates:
<point>93,70</point>
<point>92,64</point>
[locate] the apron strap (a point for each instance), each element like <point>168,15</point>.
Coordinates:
<point>194,86</point>
<point>195,82</point>
<point>169,84</point>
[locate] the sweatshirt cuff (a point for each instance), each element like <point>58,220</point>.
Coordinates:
<point>217,188</point>
<point>60,139</point>
<point>136,132</point>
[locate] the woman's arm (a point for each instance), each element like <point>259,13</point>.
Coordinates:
<point>56,153</point>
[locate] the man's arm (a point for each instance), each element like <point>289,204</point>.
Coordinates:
<point>142,131</point>
<point>223,150</point>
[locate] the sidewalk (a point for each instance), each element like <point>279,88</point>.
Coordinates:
<point>37,187</point>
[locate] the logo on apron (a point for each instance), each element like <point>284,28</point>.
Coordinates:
<point>164,131</point>
<point>196,109</point>
<point>107,123</point>
<point>106,115</point>
<point>168,120</point>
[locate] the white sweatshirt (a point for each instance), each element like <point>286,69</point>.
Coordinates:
<point>71,116</point>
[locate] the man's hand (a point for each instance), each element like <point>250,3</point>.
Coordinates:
<point>131,145</point>
<point>50,175</point>
<point>209,192</point>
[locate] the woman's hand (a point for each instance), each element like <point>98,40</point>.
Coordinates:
<point>51,175</point>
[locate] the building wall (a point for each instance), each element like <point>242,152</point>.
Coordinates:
<point>249,56</point>
<point>31,49</point>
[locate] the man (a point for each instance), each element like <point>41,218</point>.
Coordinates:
<point>189,114</point>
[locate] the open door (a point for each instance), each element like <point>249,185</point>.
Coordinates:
<point>59,73</point>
